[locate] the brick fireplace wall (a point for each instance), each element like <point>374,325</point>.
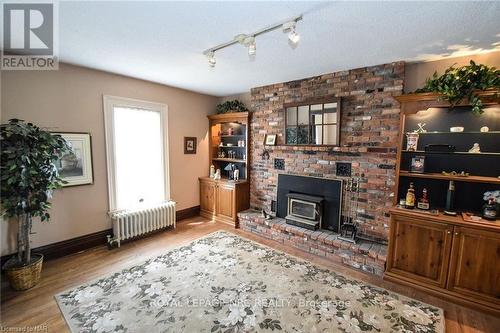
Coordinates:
<point>368,139</point>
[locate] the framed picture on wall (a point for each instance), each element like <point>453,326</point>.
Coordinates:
<point>270,140</point>
<point>189,145</point>
<point>75,167</point>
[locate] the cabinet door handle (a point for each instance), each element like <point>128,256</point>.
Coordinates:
<point>449,232</point>
<point>457,233</point>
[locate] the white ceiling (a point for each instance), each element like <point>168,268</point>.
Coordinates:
<point>163,41</point>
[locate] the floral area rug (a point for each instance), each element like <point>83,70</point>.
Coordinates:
<point>228,284</point>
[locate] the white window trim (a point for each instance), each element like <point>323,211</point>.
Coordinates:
<point>114,101</point>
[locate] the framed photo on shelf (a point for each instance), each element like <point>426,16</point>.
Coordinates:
<point>190,145</point>
<point>270,140</point>
<point>417,164</point>
<point>75,167</point>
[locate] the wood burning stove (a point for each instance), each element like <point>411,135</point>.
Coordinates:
<point>326,190</point>
<point>304,210</point>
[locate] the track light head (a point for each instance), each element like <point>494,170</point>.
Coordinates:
<point>252,49</point>
<point>252,46</point>
<point>211,59</point>
<point>293,36</point>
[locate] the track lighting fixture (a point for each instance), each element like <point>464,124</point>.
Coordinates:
<point>248,40</point>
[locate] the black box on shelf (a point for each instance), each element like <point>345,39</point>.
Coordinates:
<point>440,148</point>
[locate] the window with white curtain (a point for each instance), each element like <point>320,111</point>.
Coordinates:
<point>137,153</point>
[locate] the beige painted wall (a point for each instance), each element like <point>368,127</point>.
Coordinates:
<point>417,73</point>
<point>70,99</point>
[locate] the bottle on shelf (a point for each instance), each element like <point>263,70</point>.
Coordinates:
<point>410,197</point>
<point>450,199</point>
<point>423,202</point>
<point>212,171</point>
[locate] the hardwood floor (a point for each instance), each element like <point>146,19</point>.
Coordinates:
<point>38,307</point>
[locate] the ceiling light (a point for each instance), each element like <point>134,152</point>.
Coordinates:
<point>248,40</point>
<point>252,46</point>
<point>293,36</point>
<point>252,49</point>
<point>211,59</point>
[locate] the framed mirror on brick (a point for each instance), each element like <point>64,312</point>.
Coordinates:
<point>314,123</point>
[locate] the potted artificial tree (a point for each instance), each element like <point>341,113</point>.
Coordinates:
<point>28,177</point>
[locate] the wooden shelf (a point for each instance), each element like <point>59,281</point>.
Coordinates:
<point>231,147</point>
<point>467,132</point>
<point>456,220</point>
<point>469,179</point>
<point>233,136</point>
<point>233,117</point>
<point>224,180</point>
<point>450,153</point>
<point>412,103</point>
<point>234,160</point>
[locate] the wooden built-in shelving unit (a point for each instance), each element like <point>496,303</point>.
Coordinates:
<point>220,125</point>
<point>444,255</point>
<point>222,199</point>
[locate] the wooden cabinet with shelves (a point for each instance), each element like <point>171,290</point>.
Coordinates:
<point>445,255</point>
<point>222,199</point>
<point>432,112</point>
<point>228,142</point>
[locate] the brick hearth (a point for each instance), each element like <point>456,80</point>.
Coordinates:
<point>365,255</point>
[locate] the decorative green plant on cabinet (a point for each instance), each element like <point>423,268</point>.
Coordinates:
<point>231,106</point>
<point>457,84</point>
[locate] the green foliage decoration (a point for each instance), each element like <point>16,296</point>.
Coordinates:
<point>231,106</point>
<point>457,84</point>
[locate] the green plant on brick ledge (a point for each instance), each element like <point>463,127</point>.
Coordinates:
<point>461,83</point>
<point>231,106</point>
<point>28,177</point>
